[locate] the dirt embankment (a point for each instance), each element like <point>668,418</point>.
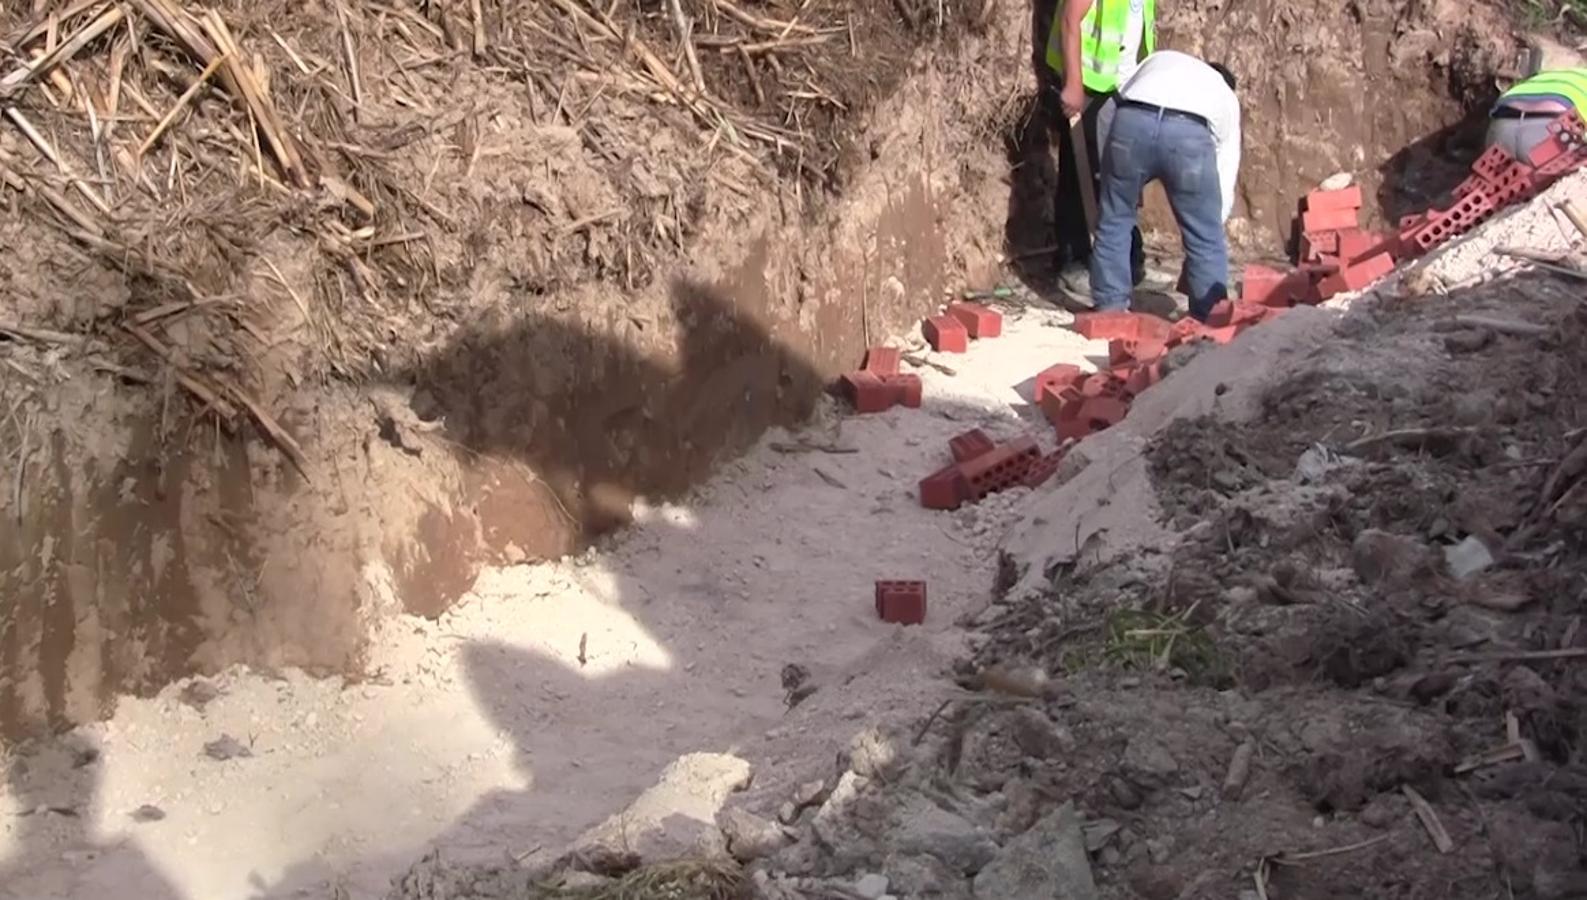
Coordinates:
<point>524,272</point>
<point>532,273</point>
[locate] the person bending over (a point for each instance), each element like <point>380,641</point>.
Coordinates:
<point>1175,121</point>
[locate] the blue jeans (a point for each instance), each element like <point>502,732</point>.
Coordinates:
<point>1143,146</point>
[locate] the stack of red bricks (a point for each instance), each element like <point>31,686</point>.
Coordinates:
<point>1335,255</point>
<point>952,331</point>
<point>981,467</point>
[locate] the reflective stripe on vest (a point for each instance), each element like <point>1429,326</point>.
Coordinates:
<point>1568,83</point>
<point>1101,41</point>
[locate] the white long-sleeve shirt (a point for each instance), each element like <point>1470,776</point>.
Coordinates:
<point>1178,81</point>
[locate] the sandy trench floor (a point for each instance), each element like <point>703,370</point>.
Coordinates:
<point>484,730</point>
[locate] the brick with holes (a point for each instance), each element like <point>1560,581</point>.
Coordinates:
<point>946,334</point>
<point>970,445</point>
<point>977,319</point>
<point>901,602</point>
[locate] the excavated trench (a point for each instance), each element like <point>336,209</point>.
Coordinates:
<point>537,385</point>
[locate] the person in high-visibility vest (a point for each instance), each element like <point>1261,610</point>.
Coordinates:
<point>1520,118</point>
<point>1093,48</point>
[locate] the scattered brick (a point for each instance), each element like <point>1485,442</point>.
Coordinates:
<point>1223,335</point>
<point>1103,412</point>
<point>1358,276</point>
<point>1236,312</point>
<point>1055,401</point>
<point>1108,326</point>
<point>1125,352</point>
<point>1345,198</point>
<point>883,360</point>
<point>1184,331</point>
<point>1000,469</point>
<point>1043,469</point>
<point>977,319</point>
<point>907,389</point>
<point>1143,377</point>
<point>1354,243</point>
<point>1316,221</point>
<point>901,602</point>
<point>944,489</point>
<point>1492,161</point>
<point>946,334</point>
<point>1058,376</point>
<point>970,445</point>
<point>868,393</point>
<point>1258,283</point>
<point>1102,384</point>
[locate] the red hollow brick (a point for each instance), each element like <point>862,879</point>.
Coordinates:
<point>1060,375</point>
<point>977,319</point>
<point>946,334</point>
<point>1143,377</point>
<point>1054,401</point>
<point>1123,352</point>
<point>1355,243</point>
<point>1344,198</point>
<point>969,445</point>
<point>868,392</point>
<point>1043,469</point>
<point>1316,221</point>
<point>1103,412</point>
<point>901,602</point>
<point>944,488</point>
<point>1107,326</point>
<point>906,389</point>
<point>883,360</point>
<point>1492,161</point>
<point>1073,428</point>
<point>1259,283</point>
<point>1003,468</point>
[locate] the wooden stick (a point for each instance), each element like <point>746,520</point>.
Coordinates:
<point>481,43</point>
<point>1083,175</point>
<point>43,146</point>
<point>21,77</point>
<point>1429,818</point>
<point>181,103</point>
<point>207,395</point>
<point>1519,655</point>
<point>1504,326</point>
<point>42,335</point>
<point>282,438</point>
<point>1575,216</point>
<point>686,38</point>
<point>354,83</point>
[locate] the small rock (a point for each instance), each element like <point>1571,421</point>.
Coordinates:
<point>788,814</point>
<point>924,827</point>
<point>1038,736</point>
<point>226,747</point>
<point>749,837</point>
<point>1338,181</point>
<point>1045,862</point>
<point>198,693</point>
<point>1124,793</point>
<point>1110,856</point>
<point>1159,849</point>
<point>1379,813</point>
<point>1468,557</point>
<point>148,813</point>
<point>809,793</point>
<point>1099,833</point>
<point>1467,341</point>
<point>1147,756</point>
<point>871,886</point>
<point>874,754</point>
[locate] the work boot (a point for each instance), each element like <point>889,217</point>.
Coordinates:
<point>1075,281</point>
